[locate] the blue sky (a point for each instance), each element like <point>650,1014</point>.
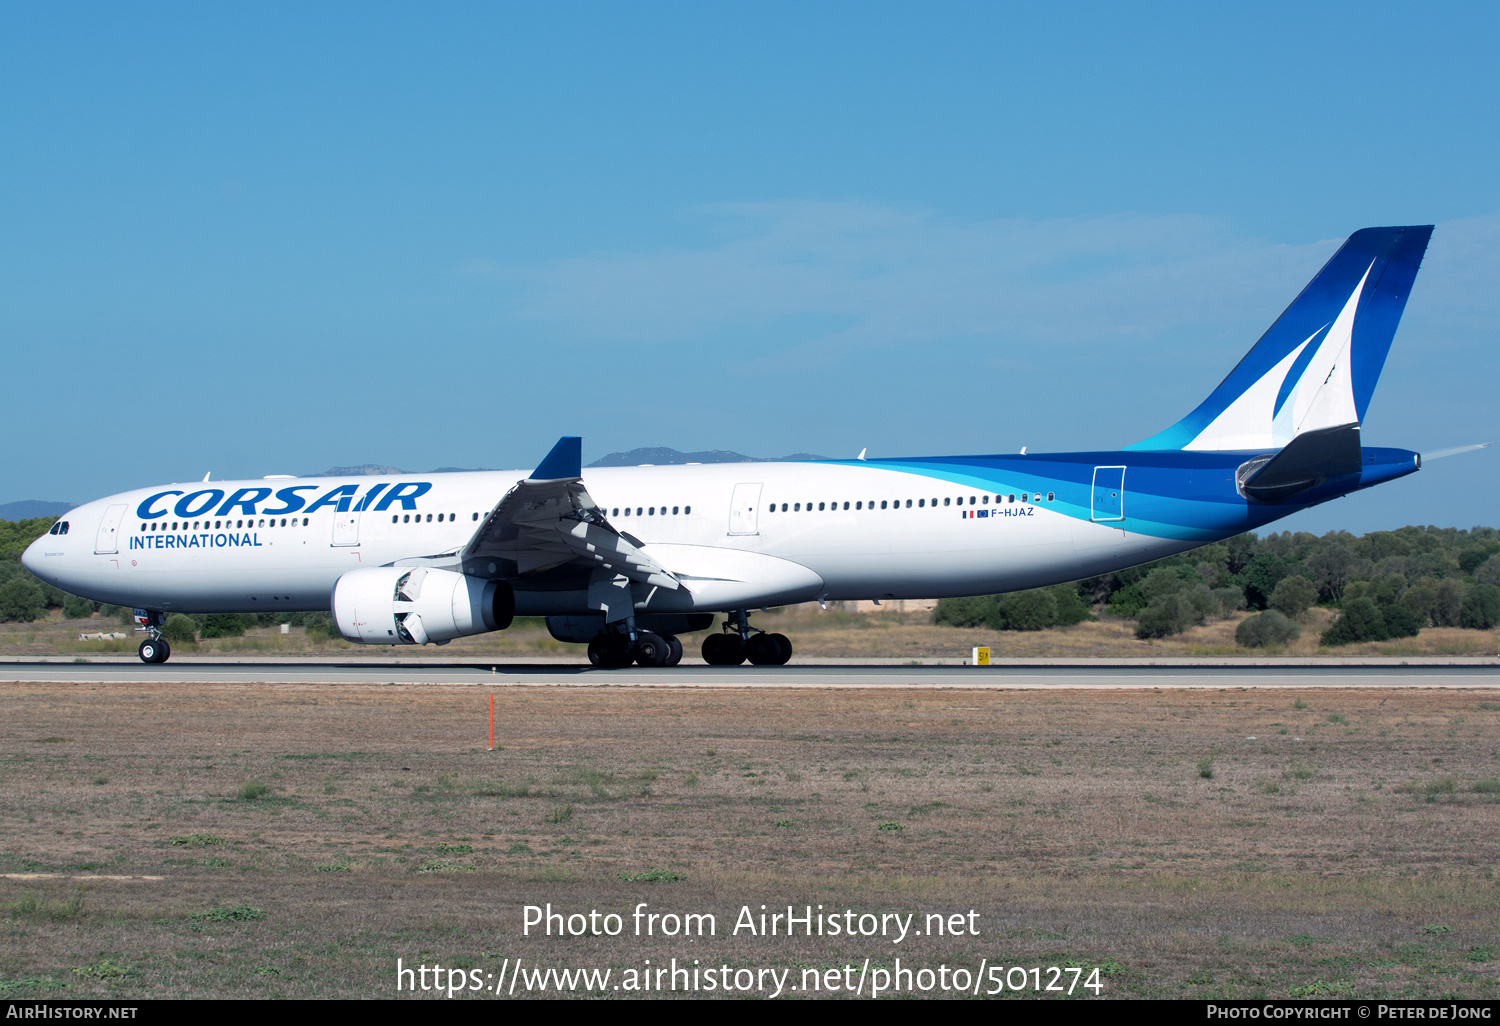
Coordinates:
<point>269,239</point>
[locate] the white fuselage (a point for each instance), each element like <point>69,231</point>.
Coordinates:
<point>863,532</point>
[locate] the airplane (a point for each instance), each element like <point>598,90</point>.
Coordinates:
<point>627,559</point>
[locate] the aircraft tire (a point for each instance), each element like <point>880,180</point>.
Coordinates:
<point>651,649</point>
<point>723,650</point>
<point>784,643</point>
<point>763,650</point>
<point>598,656</point>
<point>674,653</point>
<point>154,650</point>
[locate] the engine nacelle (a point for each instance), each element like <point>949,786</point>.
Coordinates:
<point>404,605</point>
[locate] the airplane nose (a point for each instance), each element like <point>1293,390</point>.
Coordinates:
<point>31,558</point>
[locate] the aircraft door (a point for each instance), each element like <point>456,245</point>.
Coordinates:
<point>744,509</point>
<point>346,528</point>
<point>1108,493</point>
<point>107,540</point>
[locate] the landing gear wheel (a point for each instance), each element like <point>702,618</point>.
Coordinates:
<point>651,649</point>
<point>155,650</point>
<point>723,650</point>
<point>763,650</point>
<point>785,645</point>
<point>610,652</point>
<point>674,653</point>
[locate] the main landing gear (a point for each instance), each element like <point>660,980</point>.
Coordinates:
<point>155,648</point>
<point>614,649</point>
<point>740,641</point>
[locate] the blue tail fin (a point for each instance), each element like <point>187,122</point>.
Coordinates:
<point>1316,367</point>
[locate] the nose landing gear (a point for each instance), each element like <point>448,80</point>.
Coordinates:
<point>155,648</point>
<point>740,641</point>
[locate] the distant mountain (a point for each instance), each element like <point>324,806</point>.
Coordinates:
<point>663,457</point>
<point>26,509</point>
<point>363,470</point>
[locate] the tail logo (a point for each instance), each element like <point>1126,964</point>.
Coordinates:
<point>1310,388</point>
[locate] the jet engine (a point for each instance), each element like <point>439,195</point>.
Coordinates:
<point>400,605</point>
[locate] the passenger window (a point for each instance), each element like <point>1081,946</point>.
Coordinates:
<point>406,519</point>
<point>674,511</point>
<point>304,520</point>
<point>1011,497</point>
<point>395,518</point>
<point>476,517</point>
<point>638,511</point>
<point>1023,496</point>
<point>882,503</point>
<point>651,511</point>
<point>859,505</point>
<point>921,503</point>
<point>820,507</point>
<point>973,499</point>
<point>947,502</point>
<point>687,510</point>
<point>797,507</point>
<point>984,500</point>
<point>846,505</point>
<point>1050,496</point>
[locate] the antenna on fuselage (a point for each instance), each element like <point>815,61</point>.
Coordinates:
<point>862,454</point>
<point>208,475</point>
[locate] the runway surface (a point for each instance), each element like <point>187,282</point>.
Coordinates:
<point>843,676</point>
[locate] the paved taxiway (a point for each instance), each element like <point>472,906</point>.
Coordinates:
<point>810,676</point>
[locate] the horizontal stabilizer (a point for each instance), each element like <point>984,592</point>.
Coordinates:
<point>1307,461</point>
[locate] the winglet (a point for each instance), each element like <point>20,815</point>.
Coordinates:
<point>563,462</point>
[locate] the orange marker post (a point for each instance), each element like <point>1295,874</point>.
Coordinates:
<point>492,721</point>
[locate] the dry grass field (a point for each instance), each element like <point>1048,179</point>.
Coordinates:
<point>299,839</point>
<point>817,633</point>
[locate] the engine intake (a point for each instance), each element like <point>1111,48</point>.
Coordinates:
<point>398,605</point>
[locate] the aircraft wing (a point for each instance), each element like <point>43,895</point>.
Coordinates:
<point>549,521</point>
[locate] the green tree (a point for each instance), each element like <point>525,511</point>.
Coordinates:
<point>1033,610</point>
<point>1260,577</point>
<point>1481,609</point>
<point>75,608</point>
<point>1269,628</point>
<point>964,612</point>
<point>180,628</point>
<point>1292,596</point>
<point>1071,608</point>
<point>223,625</point>
<point>1360,621</point>
<point>22,599</point>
